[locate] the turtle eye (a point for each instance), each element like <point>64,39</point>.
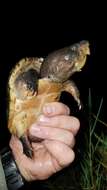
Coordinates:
<point>73,48</point>
<point>67,57</point>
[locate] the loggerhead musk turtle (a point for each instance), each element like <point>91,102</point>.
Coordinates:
<point>36,81</point>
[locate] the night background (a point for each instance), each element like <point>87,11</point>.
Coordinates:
<point>37,33</point>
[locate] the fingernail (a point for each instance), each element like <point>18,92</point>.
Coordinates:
<point>68,111</point>
<point>49,109</point>
<point>34,127</point>
<point>42,118</point>
<point>38,131</point>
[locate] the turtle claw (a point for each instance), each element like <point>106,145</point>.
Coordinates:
<point>27,150</point>
<point>80,105</point>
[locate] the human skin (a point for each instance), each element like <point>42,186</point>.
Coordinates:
<point>58,129</point>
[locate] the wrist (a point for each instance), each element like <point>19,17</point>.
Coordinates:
<point>13,177</point>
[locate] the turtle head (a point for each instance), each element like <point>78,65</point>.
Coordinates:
<point>61,64</point>
<point>81,50</point>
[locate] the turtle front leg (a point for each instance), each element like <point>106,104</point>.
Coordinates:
<point>70,87</point>
<point>26,146</point>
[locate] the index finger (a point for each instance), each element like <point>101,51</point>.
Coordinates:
<point>55,108</point>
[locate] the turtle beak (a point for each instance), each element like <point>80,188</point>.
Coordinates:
<point>88,51</point>
<point>84,46</point>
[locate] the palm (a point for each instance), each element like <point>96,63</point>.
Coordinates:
<point>48,158</point>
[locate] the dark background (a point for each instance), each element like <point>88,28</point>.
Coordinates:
<point>37,31</point>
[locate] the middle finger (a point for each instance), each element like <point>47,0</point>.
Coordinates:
<point>62,121</point>
<point>49,133</point>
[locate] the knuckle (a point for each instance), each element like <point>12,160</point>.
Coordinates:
<point>71,140</point>
<point>76,123</point>
<point>65,109</point>
<point>72,156</point>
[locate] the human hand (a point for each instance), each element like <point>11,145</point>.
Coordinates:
<point>58,129</point>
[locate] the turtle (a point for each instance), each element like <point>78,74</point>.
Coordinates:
<point>35,81</point>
